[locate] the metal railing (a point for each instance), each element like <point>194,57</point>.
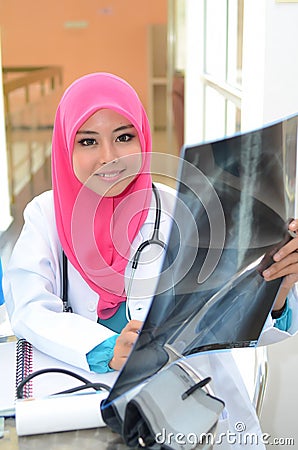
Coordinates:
<point>30,98</point>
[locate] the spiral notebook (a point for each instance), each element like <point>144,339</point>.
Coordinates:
<point>20,359</point>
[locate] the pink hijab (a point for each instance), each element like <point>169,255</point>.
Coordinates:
<point>96,232</point>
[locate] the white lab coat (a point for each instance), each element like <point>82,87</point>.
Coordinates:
<point>33,286</point>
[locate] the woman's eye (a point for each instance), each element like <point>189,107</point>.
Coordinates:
<point>125,137</point>
<point>87,141</point>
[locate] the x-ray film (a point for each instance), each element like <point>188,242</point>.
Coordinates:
<point>235,198</point>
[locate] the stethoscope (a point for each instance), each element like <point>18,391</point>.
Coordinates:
<point>154,240</point>
<point>155,235</point>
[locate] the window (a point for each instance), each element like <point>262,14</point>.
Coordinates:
<point>222,66</point>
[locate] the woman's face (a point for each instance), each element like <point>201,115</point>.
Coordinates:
<point>107,153</point>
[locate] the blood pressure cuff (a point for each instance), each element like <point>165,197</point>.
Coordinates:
<point>172,409</point>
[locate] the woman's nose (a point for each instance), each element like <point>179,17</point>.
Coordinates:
<point>107,153</point>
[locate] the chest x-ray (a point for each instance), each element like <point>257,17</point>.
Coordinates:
<point>235,198</point>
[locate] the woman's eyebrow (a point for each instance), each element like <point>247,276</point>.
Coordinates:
<point>123,127</point>
<point>87,132</point>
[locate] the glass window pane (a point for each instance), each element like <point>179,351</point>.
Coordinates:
<point>233,118</point>
<point>215,53</point>
<point>214,114</point>
<point>234,52</point>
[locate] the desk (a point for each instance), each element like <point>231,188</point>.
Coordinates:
<point>95,438</point>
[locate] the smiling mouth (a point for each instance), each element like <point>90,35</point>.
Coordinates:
<point>109,175</point>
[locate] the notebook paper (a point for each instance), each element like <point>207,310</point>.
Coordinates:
<point>81,410</point>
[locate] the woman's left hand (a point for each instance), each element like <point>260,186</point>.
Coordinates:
<point>285,265</point>
<point>124,344</point>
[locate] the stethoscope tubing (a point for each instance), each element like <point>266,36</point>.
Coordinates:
<point>154,240</point>
<point>155,235</point>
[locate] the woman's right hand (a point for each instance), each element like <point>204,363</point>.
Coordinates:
<point>124,344</point>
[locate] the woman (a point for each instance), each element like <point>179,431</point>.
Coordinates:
<point>102,187</point>
<point>101,209</point>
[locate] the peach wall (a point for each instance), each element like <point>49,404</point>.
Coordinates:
<point>115,39</point>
